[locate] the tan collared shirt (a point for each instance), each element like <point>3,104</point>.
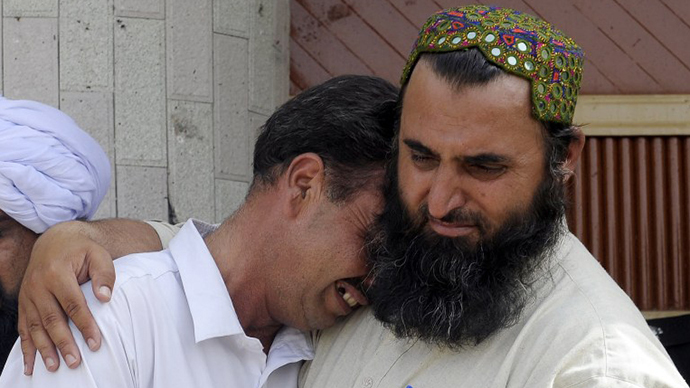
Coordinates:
<point>582,330</point>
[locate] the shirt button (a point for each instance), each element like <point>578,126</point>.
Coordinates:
<point>368,382</point>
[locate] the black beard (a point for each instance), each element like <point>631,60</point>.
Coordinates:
<point>8,325</point>
<point>453,291</point>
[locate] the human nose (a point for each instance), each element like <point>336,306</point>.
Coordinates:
<point>446,192</point>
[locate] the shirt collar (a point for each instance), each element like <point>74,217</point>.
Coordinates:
<point>212,310</point>
<point>289,346</point>
<point>294,342</point>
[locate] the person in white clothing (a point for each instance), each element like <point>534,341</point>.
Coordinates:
<point>50,171</point>
<point>230,307</point>
<point>475,281</point>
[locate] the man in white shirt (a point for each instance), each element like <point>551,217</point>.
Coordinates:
<point>475,280</point>
<point>229,308</point>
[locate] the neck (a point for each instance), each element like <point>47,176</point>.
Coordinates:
<point>239,249</point>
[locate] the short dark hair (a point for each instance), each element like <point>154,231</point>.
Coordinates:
<point>348,121</point>
<point>469,67</point>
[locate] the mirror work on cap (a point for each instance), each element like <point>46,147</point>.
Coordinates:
<point>518,43</point>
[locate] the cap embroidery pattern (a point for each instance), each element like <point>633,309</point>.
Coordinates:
<point>518,43</point>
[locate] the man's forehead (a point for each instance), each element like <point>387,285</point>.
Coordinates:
<point>368,199</point>
<point>435,113</point>
<point>372,192</point>
<point>505,87</point>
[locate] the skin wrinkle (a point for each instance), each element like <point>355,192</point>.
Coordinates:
<point>556,157</point>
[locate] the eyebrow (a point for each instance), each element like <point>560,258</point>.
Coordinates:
<point>485,158</point>
<point>419,147</point>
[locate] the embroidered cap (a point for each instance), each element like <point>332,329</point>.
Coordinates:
<point>518,43</point>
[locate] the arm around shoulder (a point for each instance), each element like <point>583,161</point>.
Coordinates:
<point>107,368</point>
<point>65,256</point>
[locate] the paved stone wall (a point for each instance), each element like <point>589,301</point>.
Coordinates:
<point>173,90</point>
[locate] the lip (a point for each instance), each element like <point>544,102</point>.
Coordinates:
<point>449,229</point>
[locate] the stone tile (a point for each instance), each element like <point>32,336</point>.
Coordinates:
<point>190,150</point>
<point>94,113</point>
<point>86,45</point>
<point>189,50</point>
<point>281,32</point>
<point>31,74</point>
<point>147,9</point>
<point>140,103</point>
<point>30,8</point>
<point>261,57</point>
<point>230,108</point>
<point>2,90</point>
<point>281,42</point>
<point>108,207</point>
<point>231,17</point>
<point>268,64</point>
<point>229,196</point>
<point>256,120</point>
<point>142,193</point>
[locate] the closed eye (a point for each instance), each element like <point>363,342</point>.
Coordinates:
<point>421,156</point>
<point>423,161</point>
<point>485,172</point>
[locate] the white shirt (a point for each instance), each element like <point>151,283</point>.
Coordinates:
<point>170,323</point>
<point>580,331</point>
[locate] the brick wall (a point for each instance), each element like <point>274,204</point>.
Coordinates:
<point>172,89</point>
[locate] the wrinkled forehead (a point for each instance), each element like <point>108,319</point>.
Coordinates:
<point>367,203</point>
<point>371,194</point>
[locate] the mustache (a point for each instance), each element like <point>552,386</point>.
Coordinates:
<point>458,215</point>
<point>457,291</point>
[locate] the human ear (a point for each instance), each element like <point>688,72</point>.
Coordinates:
<point>574,151</point>
<point>305,180</point>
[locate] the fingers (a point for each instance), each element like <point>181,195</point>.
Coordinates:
<point>45,324</point>
<point>48,327</point>
<point>102,273</point>
<point>62,258</point>
<point>100,269</point>
<point>72,302</point>
<point>27,344</point>
<point>67,296</point>
<point>50,293</point>
<point>33,335</point>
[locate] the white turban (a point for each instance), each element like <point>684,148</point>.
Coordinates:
<point>50,170</point>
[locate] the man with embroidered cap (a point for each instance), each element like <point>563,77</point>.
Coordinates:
<point>476,280</point>
<point>50,171</point>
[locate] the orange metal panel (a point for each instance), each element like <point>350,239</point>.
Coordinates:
<point>630,208</point>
